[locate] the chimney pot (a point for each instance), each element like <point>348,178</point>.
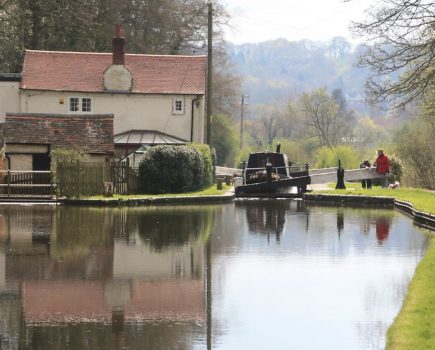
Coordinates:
<point>118,31</point>
<point>118,42</point>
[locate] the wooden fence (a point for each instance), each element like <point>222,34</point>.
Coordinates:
<point>86,178</point>
<point>34,183</point>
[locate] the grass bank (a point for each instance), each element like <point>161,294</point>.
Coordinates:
<point>422,200</point>
<point>413,328</point>
<point>208,191</point>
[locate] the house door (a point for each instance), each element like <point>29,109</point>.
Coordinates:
<point>41,161</point>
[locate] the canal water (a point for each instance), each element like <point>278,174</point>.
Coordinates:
<point>271,274</point>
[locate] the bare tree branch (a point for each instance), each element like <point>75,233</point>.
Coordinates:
<point>401,34</point>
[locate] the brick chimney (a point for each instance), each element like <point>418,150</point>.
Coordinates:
<point>117,77</point>
<point>118,46</point>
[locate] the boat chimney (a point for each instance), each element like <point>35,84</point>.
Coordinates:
<point>278,148</point>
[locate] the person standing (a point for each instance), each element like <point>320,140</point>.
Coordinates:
<point>382,164</point>
<point>366,183</point>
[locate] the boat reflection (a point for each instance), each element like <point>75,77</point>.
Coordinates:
<point>268,217</point>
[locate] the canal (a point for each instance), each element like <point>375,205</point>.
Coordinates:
<point>270,274</point>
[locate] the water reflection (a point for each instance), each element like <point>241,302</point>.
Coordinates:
<point>268,217</point>
<point>202,277</point>
<point>340,221</point>
<point>327,276</point>
<point>102,278</point>
<point>164,229</point>
<point>381,223</point>
<point>383,228</point>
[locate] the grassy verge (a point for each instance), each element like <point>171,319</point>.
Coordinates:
<point>208,191</point>
<point>413,328</point>
<point>422,200</point>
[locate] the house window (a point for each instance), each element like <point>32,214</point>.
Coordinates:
<point>86,104</point>
<point>77,104</point>
<point>178,105</point>
<point>74,104</point>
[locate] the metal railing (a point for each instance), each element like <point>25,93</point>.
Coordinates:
<point>18,182</point>
<point>252,175</point>
<point>294,168</point>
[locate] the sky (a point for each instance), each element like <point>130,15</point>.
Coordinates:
<point>261,20</point>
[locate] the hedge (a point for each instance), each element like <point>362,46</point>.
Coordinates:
<point>209,156</point>
<point>173,169</point>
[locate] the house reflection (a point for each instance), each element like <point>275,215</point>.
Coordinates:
<point>104,267</point>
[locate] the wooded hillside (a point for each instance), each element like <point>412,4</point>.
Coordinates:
<point>279,69</point>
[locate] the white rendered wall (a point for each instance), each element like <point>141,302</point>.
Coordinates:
<point>21,162</point>
<point>139,260</point>
<point>9,98</point>
<point>131,111</point>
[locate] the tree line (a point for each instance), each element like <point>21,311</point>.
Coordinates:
<point>150,27</point>
<point>400,55</point>
<point>317,126</point>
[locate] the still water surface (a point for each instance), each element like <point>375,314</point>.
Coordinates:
<point>273,274</point>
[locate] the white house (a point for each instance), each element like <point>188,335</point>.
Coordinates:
<point>154,98</point>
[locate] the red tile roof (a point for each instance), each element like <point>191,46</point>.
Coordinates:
<point>88,133</point>
<point>83,72</point>
<point>56,301</point>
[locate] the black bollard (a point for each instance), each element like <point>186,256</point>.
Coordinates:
<point>219,183</point>
<point>340,177</point>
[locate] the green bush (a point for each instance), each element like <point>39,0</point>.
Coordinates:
<point>242,156</point>
<point>414,143</point>
<point>328,157</point>
<point>294,151</point>
<point>172,169</point>
<point>208,157</point>
<point>396,169</point>
<point>224,138</point>
<point>65,155</point>
<point>59,155</point>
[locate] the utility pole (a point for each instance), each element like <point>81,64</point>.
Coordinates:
<point>209,70</point>
<point>242,117</point>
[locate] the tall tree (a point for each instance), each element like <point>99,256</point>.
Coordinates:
<point>47,25</point>
<point>319,112</point>
<point>226,85</point>
<point>273,121</point>
<point>151,26</point>
<point>401,37</point>
<point>414,142</point>
<point>224,139</point>
<point>344,120</point>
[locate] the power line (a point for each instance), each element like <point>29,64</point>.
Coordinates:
<point>295,29</point>
<point>306,28</point>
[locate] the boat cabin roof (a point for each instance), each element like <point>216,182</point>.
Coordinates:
<point>260,159</point>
